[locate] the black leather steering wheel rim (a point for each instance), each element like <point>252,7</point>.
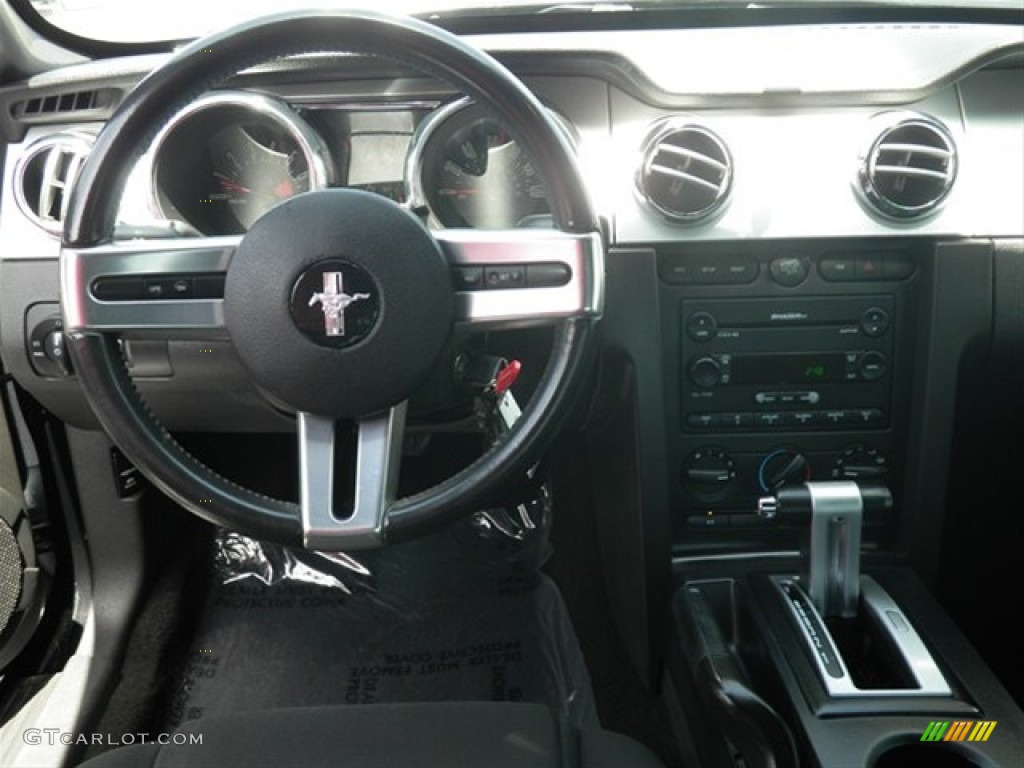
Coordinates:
<point>206,63</point>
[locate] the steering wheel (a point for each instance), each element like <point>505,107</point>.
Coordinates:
<point>290,281</point>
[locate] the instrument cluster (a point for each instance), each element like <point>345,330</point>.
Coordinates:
<point>227,158</point>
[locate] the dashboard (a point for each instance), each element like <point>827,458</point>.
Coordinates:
<point>800,238</point>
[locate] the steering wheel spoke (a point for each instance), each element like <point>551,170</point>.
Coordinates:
<point>147,287</point>
<point>511,278</point>
<point>378,455</point>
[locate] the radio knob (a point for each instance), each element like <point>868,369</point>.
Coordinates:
<point>708,474</point>
<point>705,372</point>
<point>861,463</point>
<point>701,326</point>
<point>783,468</point>
<point>872,366</point>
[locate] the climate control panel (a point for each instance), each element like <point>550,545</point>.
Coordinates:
<point>722,486</point>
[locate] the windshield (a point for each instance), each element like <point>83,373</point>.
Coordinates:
<point>153,20</point>
<point>126,21</point>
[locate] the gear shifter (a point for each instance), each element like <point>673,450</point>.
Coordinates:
<point>841,613</point>
<point>836,512</point>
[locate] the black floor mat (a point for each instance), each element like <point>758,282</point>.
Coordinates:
<point>440,620</point>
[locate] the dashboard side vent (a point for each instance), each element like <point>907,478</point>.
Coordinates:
<point>909,167</point>
<point>40,109</point>
<point>686,173</point>
<point>45,174</point>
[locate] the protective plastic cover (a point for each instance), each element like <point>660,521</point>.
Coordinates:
<point>463,615</point>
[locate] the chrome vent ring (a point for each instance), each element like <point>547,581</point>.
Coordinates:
<point>686,171</point>
<point>45,175</point>
<point>909,167</point>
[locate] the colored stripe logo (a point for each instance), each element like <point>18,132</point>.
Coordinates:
<point>959,730</point>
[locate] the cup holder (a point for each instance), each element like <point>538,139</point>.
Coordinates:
<point>918,755</point>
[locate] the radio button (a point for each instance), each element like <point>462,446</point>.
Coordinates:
<point>705,372</point>
<point>735,420</point>
<point>898,267</point>
<point>870,267</point>
<point>837,270</point>
<point>768,419</point>
<point>803,418</point>
<point>789,271</point>
<point>872,366</point>
<point>835,418</point>
<point>739,269</point>
<point>702,420</point>
<point>868,416</point>
<point>708,520</point>
<point>701,326</point>
<point>874,322</point>
<point>684,269</point>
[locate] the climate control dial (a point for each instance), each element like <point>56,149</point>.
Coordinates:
<point>861,463</point>
<point>783,468</point>
<point>709,474</point>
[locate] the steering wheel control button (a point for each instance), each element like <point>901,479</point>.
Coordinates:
<point>154,288</point>
<point>339,303</point>
<point>547,275</point>
<point>701,326</point>
<point>208,286</point>
<point>505,277</point>
<point>874,322</point>
<point>468,278</point>
<point>335,303</point>
<point>119,288</point>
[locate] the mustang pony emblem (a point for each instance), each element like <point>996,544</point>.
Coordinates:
<point>334,301</point>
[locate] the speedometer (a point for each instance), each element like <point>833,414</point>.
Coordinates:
<point>229,157</point>
<point>469,172</point>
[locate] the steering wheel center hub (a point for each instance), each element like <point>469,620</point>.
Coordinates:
<point>339,303</point>
<point>335,303</point>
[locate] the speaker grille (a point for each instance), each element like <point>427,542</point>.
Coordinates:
<point>11,570</point>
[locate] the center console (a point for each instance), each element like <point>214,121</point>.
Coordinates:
<point>804,636</point>
<point>784,363</point>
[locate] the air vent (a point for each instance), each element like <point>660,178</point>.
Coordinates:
<point>45,175</point>
<point>40,109</point>
<point>909,166</point>
<point>687,171</point>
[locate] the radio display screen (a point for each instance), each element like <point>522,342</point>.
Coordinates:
<point>804,368</point>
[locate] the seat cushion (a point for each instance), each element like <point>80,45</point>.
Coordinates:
<point>442,735</point>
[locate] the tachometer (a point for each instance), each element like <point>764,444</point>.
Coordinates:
<point>467,169</point>
<point>229,157</point>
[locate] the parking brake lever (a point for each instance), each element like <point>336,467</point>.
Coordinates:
<point>836,512</point>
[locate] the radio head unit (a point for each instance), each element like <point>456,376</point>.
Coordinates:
<point>795,364</point>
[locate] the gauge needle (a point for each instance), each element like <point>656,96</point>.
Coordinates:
<point>234,186</point>
<point>284,189</point>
